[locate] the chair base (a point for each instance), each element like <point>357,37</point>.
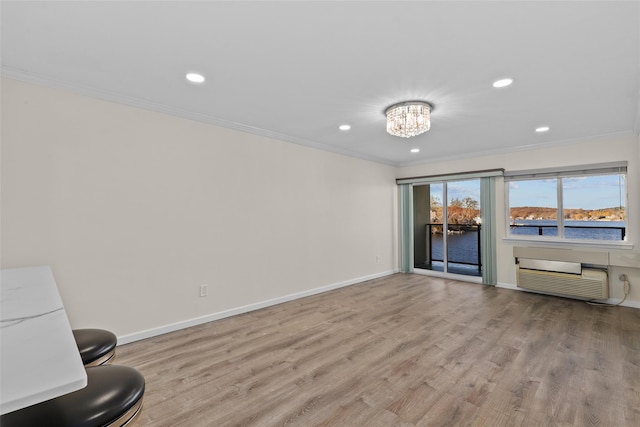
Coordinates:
<point>128,416</point>
<point>104,360</point>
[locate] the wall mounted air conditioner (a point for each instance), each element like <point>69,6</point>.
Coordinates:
<point>557,276</point>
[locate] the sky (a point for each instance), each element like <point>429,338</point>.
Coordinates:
<point>587,192</point>
<point>458,190</point>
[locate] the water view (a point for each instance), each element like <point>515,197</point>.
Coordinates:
<point>592,205</point>
<point>463,251</point>
<point>581,230</point>
<point>463,245</point>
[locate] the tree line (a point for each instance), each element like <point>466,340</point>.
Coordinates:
<point>533,212</point>
<point>460,211</point>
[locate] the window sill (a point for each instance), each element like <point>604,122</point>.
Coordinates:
<point>599,244</point>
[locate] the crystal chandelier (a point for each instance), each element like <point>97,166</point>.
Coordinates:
<point>408,119</point>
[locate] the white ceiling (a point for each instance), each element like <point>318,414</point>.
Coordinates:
<point>297,70</point>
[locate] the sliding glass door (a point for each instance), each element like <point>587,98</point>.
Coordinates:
<point>446,225</point>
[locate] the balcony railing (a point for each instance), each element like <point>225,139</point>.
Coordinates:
<point>464,246</point>
<point>583,230</point>
<point>464,250</point>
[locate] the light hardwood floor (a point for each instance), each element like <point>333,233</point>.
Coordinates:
<point>404,350</point>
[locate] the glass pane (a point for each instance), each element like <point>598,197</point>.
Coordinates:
<point>594,207</point>
<point>533,207</point>
<point>427,226</point>
<point>463,230</point>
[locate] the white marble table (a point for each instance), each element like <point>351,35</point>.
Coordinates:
<point>39,359</point>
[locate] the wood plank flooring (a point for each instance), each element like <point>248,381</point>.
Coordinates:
<point>404,350</point>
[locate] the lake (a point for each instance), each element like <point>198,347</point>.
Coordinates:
<point>586,230</point>
<point>463,248</point>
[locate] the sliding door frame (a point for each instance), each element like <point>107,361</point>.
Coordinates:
<point>487,215</point>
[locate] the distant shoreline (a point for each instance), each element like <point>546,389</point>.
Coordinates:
<point>550,214</point>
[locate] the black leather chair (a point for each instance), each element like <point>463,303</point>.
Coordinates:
<point>112,397</point>
<point>97,346</point>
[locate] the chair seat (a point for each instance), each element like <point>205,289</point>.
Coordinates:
<point>97,346</point>
<point>113,396</point>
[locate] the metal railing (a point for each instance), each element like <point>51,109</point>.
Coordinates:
<point>437,228</point>
<point>623,230</point>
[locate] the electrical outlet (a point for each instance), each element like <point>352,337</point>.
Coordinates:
<point>204,290</point>
<point>377,258</point>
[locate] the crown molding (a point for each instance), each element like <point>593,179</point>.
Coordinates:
<point>515,149</point>
<point>119,98</point>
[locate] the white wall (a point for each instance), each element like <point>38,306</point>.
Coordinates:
<point>596,150</point>
<point>135,209</point>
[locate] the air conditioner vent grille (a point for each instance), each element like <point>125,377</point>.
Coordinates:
<point>590,284</point>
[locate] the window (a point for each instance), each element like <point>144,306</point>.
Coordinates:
<point>582,203</point>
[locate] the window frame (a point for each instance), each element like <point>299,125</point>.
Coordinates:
<point>614,168</point>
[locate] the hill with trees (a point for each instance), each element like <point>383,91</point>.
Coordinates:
<point>534,212</point>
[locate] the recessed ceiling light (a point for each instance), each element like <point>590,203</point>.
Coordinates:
<point>195,78</point>
<point>542,129</point>
<point>415,150</point>
<point>344,127</point>
<point>502,82</point>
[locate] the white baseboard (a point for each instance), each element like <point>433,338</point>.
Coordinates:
<point>507,286</point>
<point>633,304</point>
<point>627,303</point>
<point>148,333</point>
